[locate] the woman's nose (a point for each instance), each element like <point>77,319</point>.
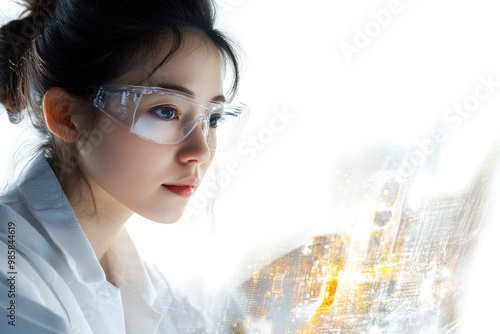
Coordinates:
<point>195,147</point>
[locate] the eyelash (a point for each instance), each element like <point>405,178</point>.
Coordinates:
<point>177,114</point>
<point>175,111</point>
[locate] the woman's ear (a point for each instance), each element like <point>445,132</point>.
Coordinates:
<point>57,110</point>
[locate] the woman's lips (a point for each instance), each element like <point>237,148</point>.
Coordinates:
<point>182,191</point>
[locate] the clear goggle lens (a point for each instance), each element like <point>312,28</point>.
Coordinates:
<point>166,116</point>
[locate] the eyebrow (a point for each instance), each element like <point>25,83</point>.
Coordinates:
<point>218,98</point>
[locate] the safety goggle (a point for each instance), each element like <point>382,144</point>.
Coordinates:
<point>166,116</point>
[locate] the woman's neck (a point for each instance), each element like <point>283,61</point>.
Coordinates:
<point>100,215</point>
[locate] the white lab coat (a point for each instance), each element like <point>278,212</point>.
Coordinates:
<point>54,282</point>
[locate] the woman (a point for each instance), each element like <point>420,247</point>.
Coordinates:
<point>128,97</point>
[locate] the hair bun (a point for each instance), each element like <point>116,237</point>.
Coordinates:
<point>13,46</point>
<point>39,10</point>
<point>15,40</point>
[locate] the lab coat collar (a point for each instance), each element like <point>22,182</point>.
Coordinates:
<point>44,196</point>
<point>138,292</point>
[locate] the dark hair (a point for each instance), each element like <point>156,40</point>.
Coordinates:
<point>79,45</point>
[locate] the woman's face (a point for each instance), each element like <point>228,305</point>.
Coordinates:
<point>156,180</point>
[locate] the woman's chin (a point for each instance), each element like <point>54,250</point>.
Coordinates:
<point>165,218</point>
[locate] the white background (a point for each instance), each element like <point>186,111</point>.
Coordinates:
<point>393,93</point>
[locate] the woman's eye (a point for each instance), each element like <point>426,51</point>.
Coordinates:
<point>167,113</point>
<point>214,120</point>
